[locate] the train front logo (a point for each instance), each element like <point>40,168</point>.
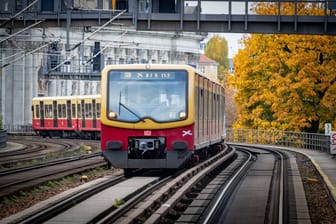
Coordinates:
<point>187,132</point>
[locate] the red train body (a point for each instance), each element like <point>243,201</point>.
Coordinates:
<point>159,116</point>
<point>77,116</point>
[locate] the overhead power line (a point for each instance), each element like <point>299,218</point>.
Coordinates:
<point>20,31</point>
<point>31,52</point>
<point>80,43</point>
<point>97,30</point>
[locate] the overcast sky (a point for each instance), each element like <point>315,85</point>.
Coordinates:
<point>215,7</point>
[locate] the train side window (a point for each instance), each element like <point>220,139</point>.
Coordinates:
<point>98,110</point>
<point>42,110</point>
<point>73,111</point>
<point>63,110</point>
<point>37,111</point>
<point>79,110</point>
<point>197,107</point>
<point>88,110</point>
<point>59,110</point>
<point>48,111</point>
<point>33,111</point>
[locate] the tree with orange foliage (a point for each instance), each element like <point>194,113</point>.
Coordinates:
<point>286,82</point>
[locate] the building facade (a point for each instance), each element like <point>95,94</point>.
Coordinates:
<point>67,60</point>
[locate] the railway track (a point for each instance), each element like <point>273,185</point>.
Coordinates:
<point>36,162</point>
<point>261,196</point>
<point>27,177</point>
<point>240,183</point>
<point>36,149</point>
<point>160,192</point>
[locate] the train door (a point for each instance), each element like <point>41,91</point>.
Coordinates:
<point>94,114</point>
<point>206,108</point>
<point>42,114</point>
<point>55,113</point>
<point>196,136</point>
<point>83,113</point>
<point>68,108</point>
<point>201,109</point>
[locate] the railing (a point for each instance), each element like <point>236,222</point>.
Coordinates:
<point>281,138</point>
<point>269,137</point>
<point>24,129</point>
<point>3,138</point>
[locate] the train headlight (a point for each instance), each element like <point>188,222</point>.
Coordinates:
<point>182,115</point>
<point>112,115</point>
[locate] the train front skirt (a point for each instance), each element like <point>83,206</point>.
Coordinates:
<point>174,159</point>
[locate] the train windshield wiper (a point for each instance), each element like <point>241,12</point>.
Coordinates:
<point>128,109</point>
<point>131,111</point>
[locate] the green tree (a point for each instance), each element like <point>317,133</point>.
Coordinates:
<point>286,81</point>
<point>217,50</point>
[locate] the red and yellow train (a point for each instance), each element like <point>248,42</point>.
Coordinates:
<point>77,116</point>
<point>159,116</point>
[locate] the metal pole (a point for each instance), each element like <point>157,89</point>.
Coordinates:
<point>68,24</point>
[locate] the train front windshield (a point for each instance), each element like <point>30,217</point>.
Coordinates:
<point>159,95</point>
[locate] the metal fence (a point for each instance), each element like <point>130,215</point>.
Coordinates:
<point>12,129</point>
<point>282,138</point>
<point>3,138</point>
<point>250,136</point>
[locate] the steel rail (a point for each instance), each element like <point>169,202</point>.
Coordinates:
<point>14,186</point>
<point>226,188</point>
<point>281,189</point>
<point>50,163</point>
<point>191,177</point>
<point>65,203</point>
<point>281,192</point>
<point>111,215</point>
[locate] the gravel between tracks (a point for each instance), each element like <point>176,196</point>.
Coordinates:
<point>319,203</point>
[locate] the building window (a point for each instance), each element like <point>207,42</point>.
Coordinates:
<point>47,5</point>
<point>18,5</point>
<point>4,6</point>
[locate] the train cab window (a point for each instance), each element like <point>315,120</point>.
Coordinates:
<point>159,95</point>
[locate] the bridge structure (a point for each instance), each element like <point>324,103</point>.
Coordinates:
<point>230,16</point>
